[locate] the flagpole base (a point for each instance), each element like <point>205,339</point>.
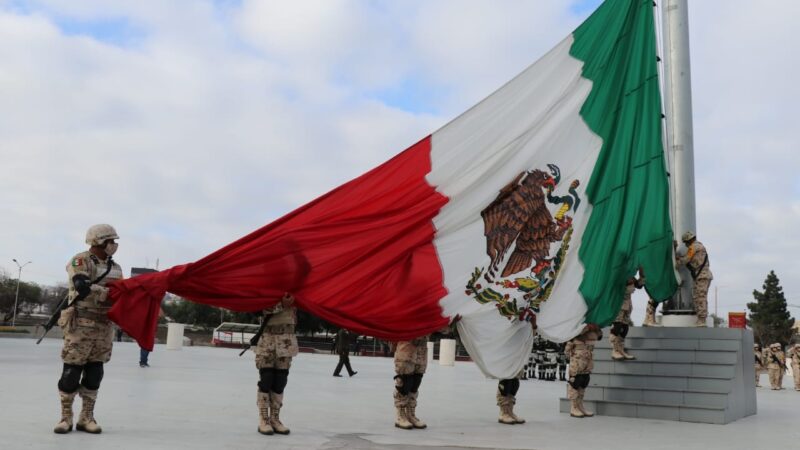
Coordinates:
<point>678,320</point>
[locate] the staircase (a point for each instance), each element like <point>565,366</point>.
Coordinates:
<point>701,375</point>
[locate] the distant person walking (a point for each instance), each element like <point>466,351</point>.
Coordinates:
<point>343,339</point>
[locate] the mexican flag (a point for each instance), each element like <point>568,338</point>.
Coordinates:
<point>533,207</point>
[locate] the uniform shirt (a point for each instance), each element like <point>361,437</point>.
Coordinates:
<point>695,256</point>
<point>87,264</point>
<point>771,364</point>
<point>278,315</point>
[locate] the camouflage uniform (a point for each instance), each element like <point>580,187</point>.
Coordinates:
<point>580,352</point>
<point>794,357</point>
<point>619,329</point>
<point>696,260</point>
<point>759,364</point>
<point>776,361</point>
<point>410,362</point>
<point>274,353</point>
<point>88,333</point>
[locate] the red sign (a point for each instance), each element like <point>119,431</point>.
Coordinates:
<point>737,320</point>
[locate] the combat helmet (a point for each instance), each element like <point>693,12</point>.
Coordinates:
<point>97,234</point>
<point>688,236</point>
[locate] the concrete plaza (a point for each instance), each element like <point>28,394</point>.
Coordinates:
<point>204,398</point>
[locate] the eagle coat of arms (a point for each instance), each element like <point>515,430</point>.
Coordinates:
<point>520,222</point>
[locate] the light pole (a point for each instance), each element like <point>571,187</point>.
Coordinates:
<point>16,297</point>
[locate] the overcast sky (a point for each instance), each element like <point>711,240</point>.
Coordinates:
<point>187,124</point>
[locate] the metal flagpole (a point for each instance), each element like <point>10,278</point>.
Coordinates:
<point>679,136</point>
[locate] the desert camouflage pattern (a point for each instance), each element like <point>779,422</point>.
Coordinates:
<point>580,351</point>
<point>794,357</point>
<point>624,314</point>
<point>278,344</point>
<point>774,368</point>
<point>759,365</point>
<point>694,257</point>
<point>411,356</point>
<point>88,333</point>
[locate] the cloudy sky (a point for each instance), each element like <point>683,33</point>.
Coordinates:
<point>187,124</point>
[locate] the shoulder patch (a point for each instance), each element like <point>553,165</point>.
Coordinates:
<point>77,262</point>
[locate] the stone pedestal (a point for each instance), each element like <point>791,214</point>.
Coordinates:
<point>685,374</point>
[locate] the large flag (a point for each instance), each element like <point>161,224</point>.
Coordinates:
<point>533,207</point>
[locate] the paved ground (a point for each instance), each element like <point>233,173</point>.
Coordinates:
<point>204,398</point>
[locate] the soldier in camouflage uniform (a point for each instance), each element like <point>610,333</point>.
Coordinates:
<point>696,260</point>
<point>88,334</point>
<point>580,352</point>
<point>274,354</point>
<point>776,365</point>
<point>620,326</point>
<point>794,357</point>
<point>410,362</point>
<point>759,363</point>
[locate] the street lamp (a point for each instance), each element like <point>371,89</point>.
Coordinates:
<point>16,297</point>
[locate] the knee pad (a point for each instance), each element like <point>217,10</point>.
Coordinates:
<point>404,383</point>
<point>92,375</point>
<point>70,378</point>
<point>616,328</point>
<point>509,387</point>
<point>265,377</point>
<point>281,377</point>
<point>417,377</point>
<point>625,328</point>
<point>580,381</point>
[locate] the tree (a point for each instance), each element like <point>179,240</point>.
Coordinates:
<point>30,295</point>
<point>769,318</point>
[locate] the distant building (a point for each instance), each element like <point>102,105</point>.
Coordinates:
<point>136,271</point>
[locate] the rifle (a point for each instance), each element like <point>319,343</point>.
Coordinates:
<point>65,303</point>
<point>778,361</point>
<point>257,337</point>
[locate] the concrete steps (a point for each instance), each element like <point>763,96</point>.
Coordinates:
<point>685,374</point>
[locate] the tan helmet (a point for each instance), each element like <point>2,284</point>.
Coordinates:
<point>688,236</point>
<point>98,234</point>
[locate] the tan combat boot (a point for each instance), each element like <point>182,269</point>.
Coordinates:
<point>628,356</point>
<point>400,402</point>
<point>517,419</point>
<point>411,412</point>
<point>276,402</point>
<point>86,420</point>
<point>582,407</point>
<point>505,415</point>
<point>263,413</point>
<point>618,351</point>
<point>650,315</point>
<point>65,424</point>
<point>575,410</point>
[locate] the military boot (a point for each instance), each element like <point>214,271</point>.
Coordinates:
<point>86,420</point>
<point>628,356</point>
<point>65,424</point>
<point>575,409</point>
<point>400,402</point>
<point>505,415</point>
<point>411,412</point>
<point>582,407</point>
<point>618,351</point>
<point>275,404</point>
<point>262,401</point>
<point>517,419</point>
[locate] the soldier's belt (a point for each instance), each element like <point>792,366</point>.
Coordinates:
<point>92,315</point>
<point>280,329</point>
